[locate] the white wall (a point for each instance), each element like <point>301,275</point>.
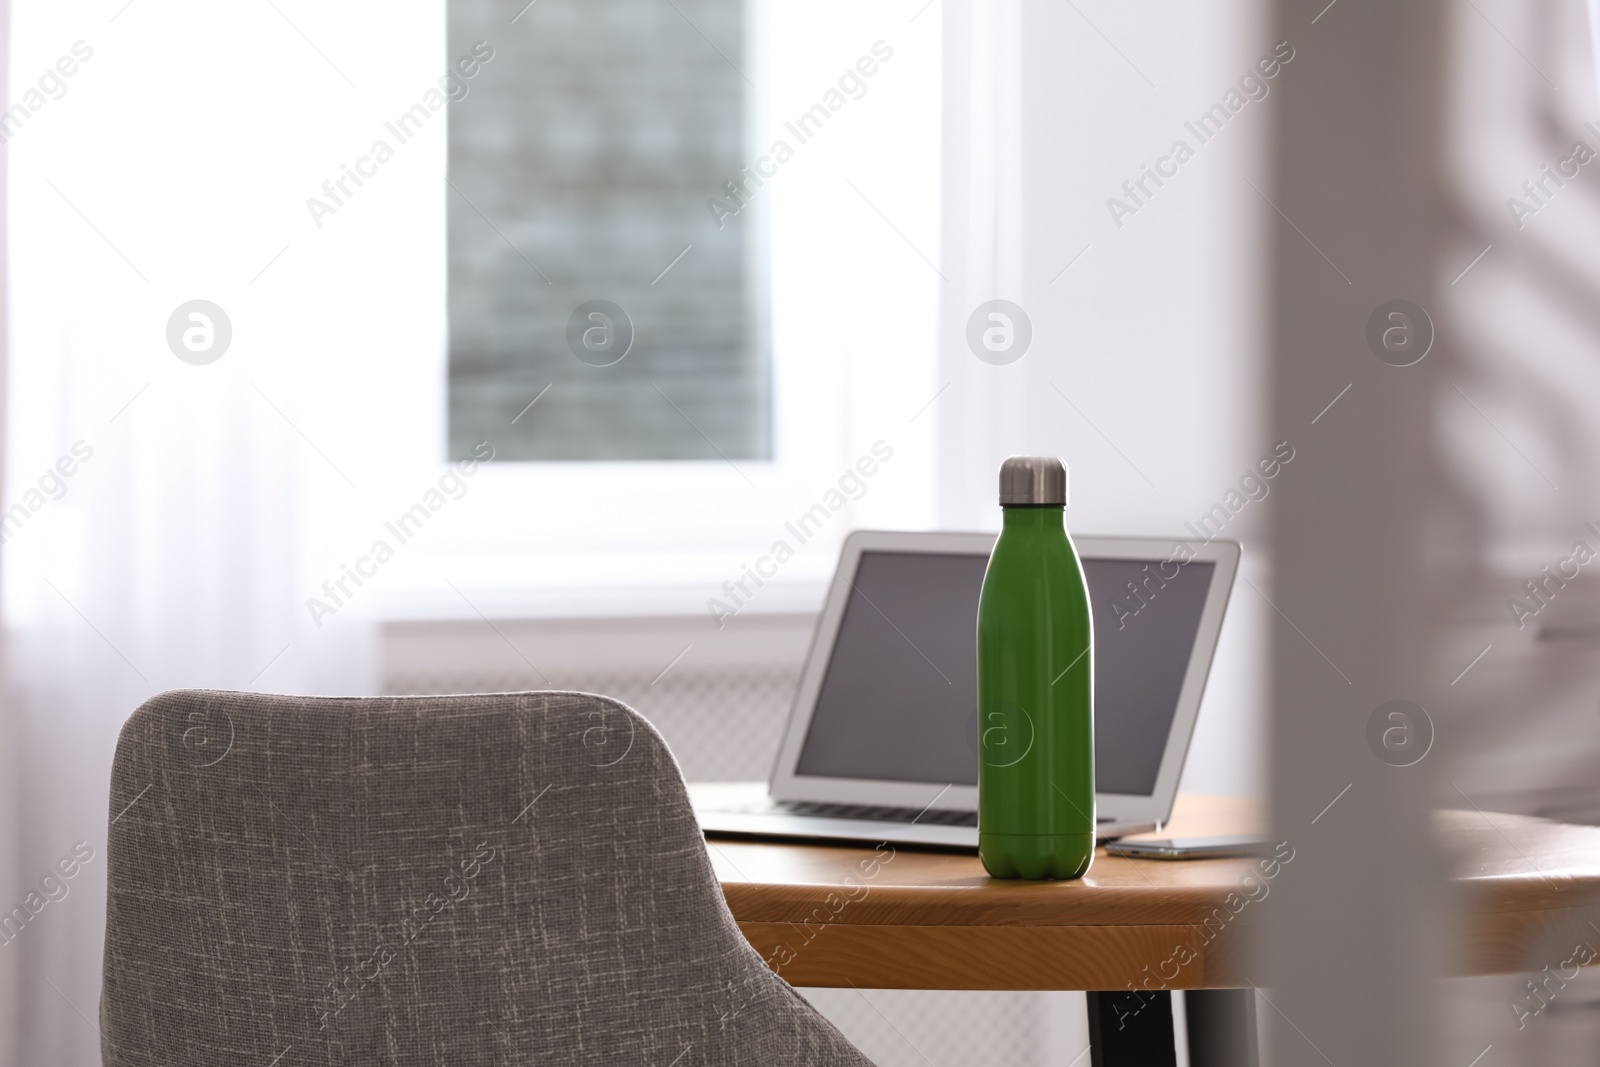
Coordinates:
<point>1145,367</point>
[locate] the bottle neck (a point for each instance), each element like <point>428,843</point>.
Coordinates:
<point>1041,519</point>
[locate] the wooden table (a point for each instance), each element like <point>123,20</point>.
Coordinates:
<point>894,918</point>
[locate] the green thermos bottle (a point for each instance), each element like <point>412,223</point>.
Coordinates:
<point>1035,686</point>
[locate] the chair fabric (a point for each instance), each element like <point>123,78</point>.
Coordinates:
<point>496,879</point>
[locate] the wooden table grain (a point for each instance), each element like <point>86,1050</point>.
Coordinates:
<point>894,918</point>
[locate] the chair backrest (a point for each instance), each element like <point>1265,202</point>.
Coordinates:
<point>499,879</point>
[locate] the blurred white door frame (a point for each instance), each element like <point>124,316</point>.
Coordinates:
<point>9,800</point>
<point>1353,944</point>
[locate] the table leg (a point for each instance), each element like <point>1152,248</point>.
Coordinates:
<point>1129,1029</point>
<point>1222,1027</point>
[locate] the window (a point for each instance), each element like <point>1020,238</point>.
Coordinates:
<point>586,269</point>
<point>340,331</point>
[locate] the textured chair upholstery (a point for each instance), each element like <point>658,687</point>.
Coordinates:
<point>503,879</point>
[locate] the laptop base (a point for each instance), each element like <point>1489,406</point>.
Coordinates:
<point>744,809</point>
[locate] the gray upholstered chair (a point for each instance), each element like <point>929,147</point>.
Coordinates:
<point>505,879</point>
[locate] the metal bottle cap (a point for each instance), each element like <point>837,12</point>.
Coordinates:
<point>1033,481</point>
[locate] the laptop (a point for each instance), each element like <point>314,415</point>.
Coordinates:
<point>881,744</point>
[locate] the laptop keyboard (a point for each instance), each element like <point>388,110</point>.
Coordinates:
<point>875,813</point>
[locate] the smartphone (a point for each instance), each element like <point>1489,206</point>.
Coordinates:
<point>1190,848</point>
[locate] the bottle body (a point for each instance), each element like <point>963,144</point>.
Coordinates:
<point>1036,809</point>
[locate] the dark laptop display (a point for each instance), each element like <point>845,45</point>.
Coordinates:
<point>899,699</point>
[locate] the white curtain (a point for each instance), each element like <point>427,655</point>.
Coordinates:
<point>171,559</point>
<point>165,522</point>
<point>169,562</point>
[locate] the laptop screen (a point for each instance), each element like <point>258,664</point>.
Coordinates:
<point>899,699</point>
